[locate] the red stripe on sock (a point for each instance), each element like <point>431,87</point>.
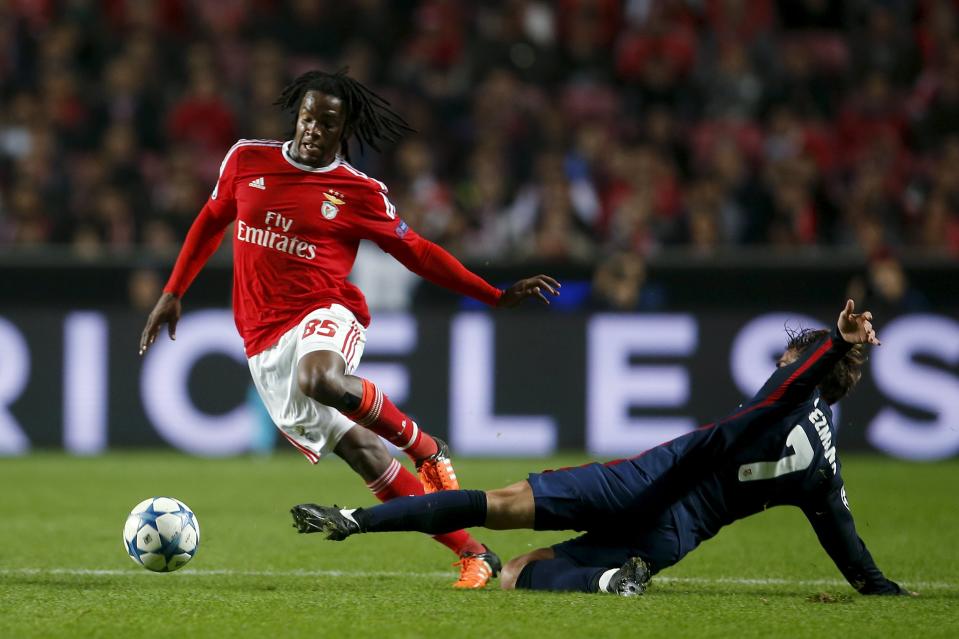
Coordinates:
<point>377,413</point>
<point>402,484</point>
<point>384,480</point>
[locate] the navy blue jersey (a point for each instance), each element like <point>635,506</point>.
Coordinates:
<point>777,449</point>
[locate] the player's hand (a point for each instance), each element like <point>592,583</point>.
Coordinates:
<point>530,287</point>
<point>167,311</point>
<point>856,328</point>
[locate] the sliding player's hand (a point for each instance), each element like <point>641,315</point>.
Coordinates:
<point>530,287</point>
<point>167,311</point>
<point>856,328</point>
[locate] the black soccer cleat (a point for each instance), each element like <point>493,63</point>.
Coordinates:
<point>331,521</point>
<point>631,580</point>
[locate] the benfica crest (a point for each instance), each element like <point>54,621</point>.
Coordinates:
<point>329,210</point>
<point>332,205</point>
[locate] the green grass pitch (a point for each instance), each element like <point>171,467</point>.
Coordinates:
<point>63,572</point>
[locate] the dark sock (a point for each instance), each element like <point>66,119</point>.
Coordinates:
<point>559,574</point>
<point>433,514</point>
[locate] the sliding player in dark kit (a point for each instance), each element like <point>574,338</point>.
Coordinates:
<point>644,514</point>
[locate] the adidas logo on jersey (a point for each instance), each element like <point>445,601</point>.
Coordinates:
<point>259,183</point>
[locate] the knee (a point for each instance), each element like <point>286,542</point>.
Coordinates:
<point>513,568</point>
<point>322,384</point>
<point>510,507</point>
<point>510,573</point>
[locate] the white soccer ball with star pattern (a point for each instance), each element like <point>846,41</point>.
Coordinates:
<point>161,534</point>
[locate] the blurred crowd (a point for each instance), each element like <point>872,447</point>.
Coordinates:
<point>569,130</point>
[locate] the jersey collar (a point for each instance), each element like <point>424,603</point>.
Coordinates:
<point>306,167</point>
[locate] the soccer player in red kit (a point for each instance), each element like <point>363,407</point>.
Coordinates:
<point>299,211</point>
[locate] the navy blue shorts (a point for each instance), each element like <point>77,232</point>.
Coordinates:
<point>595,498</point>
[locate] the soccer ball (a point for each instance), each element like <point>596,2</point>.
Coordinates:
<point>161,534</point>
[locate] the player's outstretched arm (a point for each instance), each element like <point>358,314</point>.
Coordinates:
<point>537,286</point>
<point>793,383</point>
<point>202,240</point>
<point>167,311</point>
<point>856,328</point>
<point>376,221</point>
<point>836,530</point>
<point>433,263</point>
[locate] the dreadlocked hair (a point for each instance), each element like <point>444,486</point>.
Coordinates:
<point>845,374</point>
<point>368,116</point>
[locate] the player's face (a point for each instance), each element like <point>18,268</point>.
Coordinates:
<point>787,358</point>
<point>319,128</point>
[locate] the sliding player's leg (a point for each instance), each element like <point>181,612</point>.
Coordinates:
<point>567,499</point>
<point>619,562</point>
<point>562,575</point>
<point>436,513</point>
<point>624,546</point>
<point>330,347</point>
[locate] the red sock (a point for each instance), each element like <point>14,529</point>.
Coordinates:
<point>381,416</point>
<point>396,481</point>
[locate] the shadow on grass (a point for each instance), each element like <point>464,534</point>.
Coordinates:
<point>816,597</point>
<point>67,582</point>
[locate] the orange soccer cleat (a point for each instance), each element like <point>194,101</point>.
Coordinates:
<point>477,569</point>
<point>436,471</point>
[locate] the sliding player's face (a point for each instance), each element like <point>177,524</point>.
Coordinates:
<point>319,128</point>
<point>787,358</point>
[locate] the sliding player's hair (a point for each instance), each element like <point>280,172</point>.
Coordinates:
<point>845,374</point>
<point>368,116</point>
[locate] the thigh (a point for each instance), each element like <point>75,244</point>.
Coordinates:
<point>332,329</point>
<point>583,498</point>
<point>311,427</point>
<point>657,542</point>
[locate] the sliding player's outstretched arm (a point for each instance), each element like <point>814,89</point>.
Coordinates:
<point>792,383</point>
<point>204,237</point>
<point>377,221</point>
<point>834,527</point>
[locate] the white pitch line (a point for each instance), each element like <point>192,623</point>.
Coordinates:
<point>220,572</point>
<point>737,581</point>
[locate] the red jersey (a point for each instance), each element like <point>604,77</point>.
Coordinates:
<point>295,240</point>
